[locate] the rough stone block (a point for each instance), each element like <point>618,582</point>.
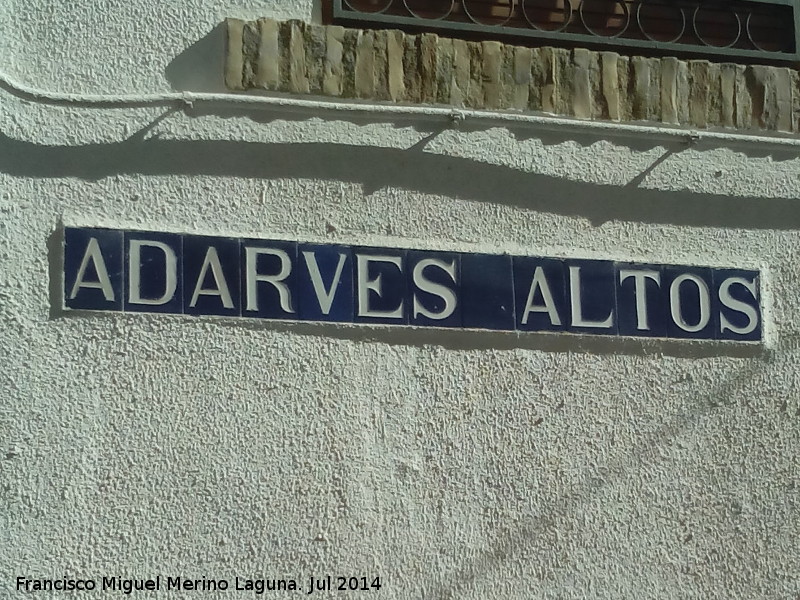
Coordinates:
<point>610,79</point>
<point>380,65</point>
<point>646,97</point>
<point>795,90</point>
<point>364,75</point>
<point>654,102</point>
<point>428,49</point>
<point>545,78</point>
<point>295,59</point>
<point>349,48</point>
<point>475,97</point>
<point>782,78</point>
<point>444,70</point>
<point>250,51</point>
<point>744,98</point>
<point>411,69</point>
<point>564,75</point>
<point>460,78</point>
<point>507,81</point>
<point>699,83</point>
<point>626,96</point>
<point>582,104</point>
<point>537,80</point>
<point>395,82</point>
<point>315,56</point>
<point>728,95</point>
<point>683,92</point>
<point>491,69</point>
<point>669,90</point>
<point>759,84</point>
<point>523,60</point>
<point>234,60</point>
<point>595,86</point>
<point>332,69</point>
<point>268,70</point>
<point>714,98</point>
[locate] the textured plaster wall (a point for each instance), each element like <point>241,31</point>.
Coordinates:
<point>450,464</point>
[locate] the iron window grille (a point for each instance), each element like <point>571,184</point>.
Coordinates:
<point>744,30</point>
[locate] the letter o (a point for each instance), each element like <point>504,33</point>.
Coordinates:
<point>704,299</point>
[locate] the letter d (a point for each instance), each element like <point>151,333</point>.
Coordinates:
<point>135,273</point>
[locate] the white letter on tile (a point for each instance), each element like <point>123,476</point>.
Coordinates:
<point>104,283</point>
<point>212,260</point>
<point>575,303</point>
<point>135,268</point>
<point>640,291</point>
<point>284,293</point>
<point>704,298</point>
<point>737,305</point>
<point>324,297</point>
<point>540,282</point>
<point>426,285</point>
<point>365,285</point>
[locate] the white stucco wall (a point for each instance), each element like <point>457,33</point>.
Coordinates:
<point>450,464</point>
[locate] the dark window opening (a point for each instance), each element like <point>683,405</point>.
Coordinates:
<point>742,30</point>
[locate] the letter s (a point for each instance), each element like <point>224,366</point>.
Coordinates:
<point>730,302</point>
<point>426,285</point>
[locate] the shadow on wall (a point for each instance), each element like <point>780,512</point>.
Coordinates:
<point>467,340</point>
<point>625,464</point>
<point>410,169</point>
<point>209,54</point>
<point>201,66</point>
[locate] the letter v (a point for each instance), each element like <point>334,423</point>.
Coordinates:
<point>325,297</point>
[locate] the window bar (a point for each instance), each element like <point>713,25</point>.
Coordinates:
<point>751,30</point>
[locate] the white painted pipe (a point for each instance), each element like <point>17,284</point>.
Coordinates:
<point>547,122</point>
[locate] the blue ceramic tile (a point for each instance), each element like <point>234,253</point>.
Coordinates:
<point>211,276</point>
<point>379,286</point>
<point>642,308</point>
<point>170,273</point>
<point>691,306</point>
<point>93,269</point>
<point>739,296</point>
<point>540,294</point>
<point>591,296</point>
<point>325,283</point>
<point>434,288</point>
<point>269,279</point>
<point>154,281</point>
<point>487,291</point>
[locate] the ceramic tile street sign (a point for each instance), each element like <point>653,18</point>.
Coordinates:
<point>141,271</point>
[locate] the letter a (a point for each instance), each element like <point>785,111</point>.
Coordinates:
<point>540,282</point>
<point>212,260</point>
<point>104,283</point>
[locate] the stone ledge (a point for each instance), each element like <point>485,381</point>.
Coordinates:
<point>392,66</point>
